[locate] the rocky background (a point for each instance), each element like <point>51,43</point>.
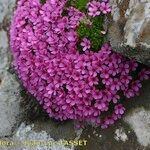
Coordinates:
<point>129,28</point>
<point>129,34</point>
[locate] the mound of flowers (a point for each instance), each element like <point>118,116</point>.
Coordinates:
<point>59,57</point>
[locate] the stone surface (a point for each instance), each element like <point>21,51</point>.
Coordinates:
<point>139,120</point>
<point>27,137</point>
<point>9,87</point>
<point>4,58</point>
<point>128,30</point>
<point>9,104</point>
<point>121,135</point>
<point>6,8</point>
<point>27,133</point>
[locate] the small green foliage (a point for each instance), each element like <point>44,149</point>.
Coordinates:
<point>93,32</point>
<point>79,4</point>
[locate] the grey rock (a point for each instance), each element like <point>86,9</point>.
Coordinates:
<point>4,56</point>
<point>10,112</point>
<point>6,9</point>
<point>27,137</point>
<point>9,103</point>
<point>120,135</point>
<point>139,120</point>
<point>26,134</point>
<point>128,28</point>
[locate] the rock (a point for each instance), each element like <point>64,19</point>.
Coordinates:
<point>9,103</point>
<point>27,134</point>
<point>55,128</point>
<point>121,135</point>
<point>139,121</point>
<point>4,56</point>
<point>28,138</point>
<point>129,31</point>
<point>9,87</point>
<point>6,9</point>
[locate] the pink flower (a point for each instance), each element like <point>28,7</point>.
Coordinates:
<point>60,25</point>
<point>72,36</point>
<point>94,8</point>
<point>101,106</point>
<point>115,84</point>
<point>74,17</point>
<point>109,120</point>
<point>144,74</point>
<point>104,125</point>
<point>133,65</point>
<point>124,68</point>
<point>136,85</point>
<point>105,8</point>
<point>129,93</point>
<point>107,82</point>
<point>104,72</point>
<point>134,89</point>
<point>97,95</point>
<point>119,109</point>
<point>125,79</point>
<point>86,44</point>
<point>53,38</point>
<point>115,98</point>
<point>105,0</point>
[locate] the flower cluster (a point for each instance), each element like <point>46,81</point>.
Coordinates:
<point>95,8</point>
<point>69,85</point>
